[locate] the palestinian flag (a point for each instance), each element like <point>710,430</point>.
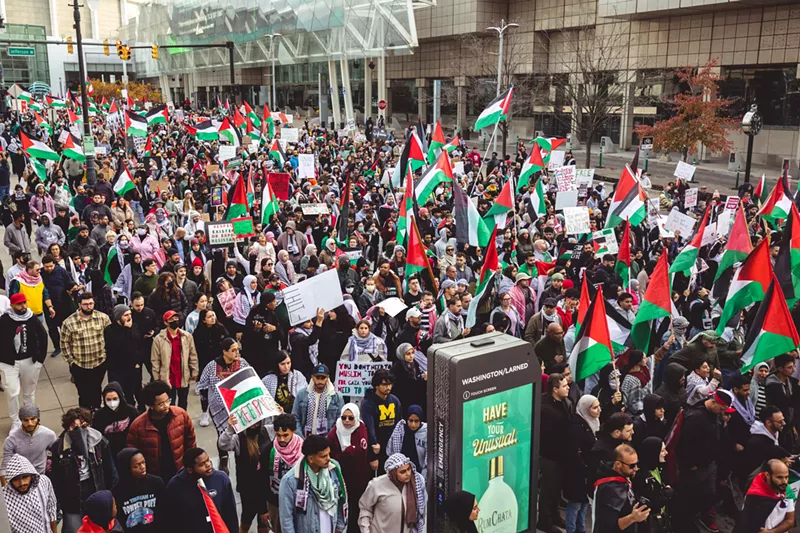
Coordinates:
<point>237,200</point>
<point>35,105</point>
<point>112,256</point>
<point>437,143</point>
<point>42,123</point>
<point>130,104</point>
<point>628,202</point>
<point>787,264</point>
<point>135,125</point>
<point>738,246</point>
<point>537,200</point>
<point>73,118</point>
<point>229,133</point>
<point>441,172</point>
<point>417,254</point>
<point>470,227</point>
<point>238,119</point>
<point>748,285</point>
<point>55,103</point>
<point>406,210</point>
<point>452,145</point>
<point>623,265</point>
<point>531,166</point>
<point>73,150</point>
<point>657,303</point>
<point>276,153</point>
<point>148,147</point>
<point>25,96</point>
<point>687,257</point>
<point>344,211</point>
<point>249,113</point>
<point>37,149</point>
<point>760,191</point>
<point>496,112</point>
<point>123,181</point>
<point>549,144</point>
<point>411,158</point>
<point>250,131</point>
<point>543,269</point>
<point>104,103</point>
<point>92,109</point>
<point>777,205</point>
<point>773,332</point>
<point>204,131</point>
<point>41,170</point>
<point>503,204</point>
<point>488,271</point>
<point>240,387</point>
<point>583,305</point>
<point>268,125</point>
<point>158,115</point>
<point>619,329</point>
<point>113,109</point>
<point>592,351</point>
<point>214,518</point>
<point>269,203</point>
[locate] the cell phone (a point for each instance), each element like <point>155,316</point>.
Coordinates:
<point>644,501</point>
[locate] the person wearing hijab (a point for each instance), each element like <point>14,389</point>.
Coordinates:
<point>398,493</point>
<point>582,437</point>
<point>410,437</point>
<point>411,381</point>
<point>349,448</point>
<point>636,383</point>
<point>138,493</point>
<point>115,417</point>
<point>337,328</point>
<point>462,508</point>
<point>284,268</point>
<point>364,346</point>
<point>283,382</point>
<point>245,300</point>
<point>758,391</point>
<point>650,482</point>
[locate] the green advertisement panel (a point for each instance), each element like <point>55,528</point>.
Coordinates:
<point>496,458</point>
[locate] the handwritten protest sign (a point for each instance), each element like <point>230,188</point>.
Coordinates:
<point>289,135</point>
<point>584,176</point>
<point>556,160</point>
<point>303,299</point>
<point>684,171</point>
<point>227,152</point>
<point>677,221</point>
<point>690,199</point>
<point>354,378</point>
<point>565,177</point>
<point>279,183</point>
<point>246,398</point>
<point>576,220</point>
<point>306,166</point>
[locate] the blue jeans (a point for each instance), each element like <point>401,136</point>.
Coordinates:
<point>136,206</point>
<point>576,517</point>
<point>4,189</point>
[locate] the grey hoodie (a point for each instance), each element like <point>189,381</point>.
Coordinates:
<point>32,511</point>
<point>758,428</point>
<point>32,447</point>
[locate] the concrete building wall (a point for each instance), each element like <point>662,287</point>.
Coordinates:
<point>35,12</point>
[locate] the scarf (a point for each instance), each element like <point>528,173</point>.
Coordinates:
<point>317,407</point>
<point>252,297</point>
<point>29,279</point>
<point>224,371</point>
<point>747,409</point>
<point>642,375</point>
<point>584,404</point>
<point>756,387</point>
<point>344,434</point>
<point>359,345</point>
<point>313,349</point>
<point>290,454</point>
<point>26,512</point>
<point>285,272</point>
<point>414,510</point>
<point>453,320</point>
<point>322,487</point>
<point>226,301</point>
<point>19,318</point>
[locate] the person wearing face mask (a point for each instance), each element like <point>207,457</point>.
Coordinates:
<point>369,297</point>
<point>115,417</point>
<point>174,358</point>
<point>79,465</point>
<point>24,342</point>
<point>124,350</point>
<point>145,243</point>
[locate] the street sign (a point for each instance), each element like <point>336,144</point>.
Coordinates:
<point>88,145</point>
<point>382,105</point>
<point>647,144</point>
<point>21,51</point>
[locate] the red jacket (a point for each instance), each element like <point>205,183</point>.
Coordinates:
<point>145,436</point>
<point>354,460</point>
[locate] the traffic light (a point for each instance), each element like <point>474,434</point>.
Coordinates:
<point>70,49</point>
<point>119,49</point>
<point>154,51</point>
<point>105,47</point>
<point>126,53</point>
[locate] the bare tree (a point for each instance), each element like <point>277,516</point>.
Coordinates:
<point>591,72</point>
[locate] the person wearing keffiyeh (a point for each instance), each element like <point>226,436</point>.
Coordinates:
<point>450,325</point>
<point>317,406</point>
<point>399,492</point>
<point>30,500</point>
<point>364,346</point>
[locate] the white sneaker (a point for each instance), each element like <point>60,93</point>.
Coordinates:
<point>204,421</point>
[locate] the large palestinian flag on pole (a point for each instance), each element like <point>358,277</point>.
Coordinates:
<point>748,285</point>
<point>497,111</point>
<point>623,265</point>
<point>470,227</point>
<point>437,143</point>
<point>245,396</point>
<point>592,349</point>
<point>441,172</point>
<point>123,181</point>
<point>406,211</point>
<point>490,267</point>
<point>135,125</point>
<point>628,202</point>
<point>37,149</point>
<point>777,205</point>
<point>203,131</point>
<point>157,115</point>
<point>531,166</point>
<point>738,246</point>
<point>73,150</point>
<point>773,332</point>
<point>657,303</point>
<point>237,200</point>
<point>787,264</point>
<point>688,256</point>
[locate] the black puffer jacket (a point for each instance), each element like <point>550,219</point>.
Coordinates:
<point>672,391</point>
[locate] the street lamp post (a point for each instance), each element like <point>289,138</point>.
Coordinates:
<point>272,78</point>
<point>500,32</point>
<point>88,142</point>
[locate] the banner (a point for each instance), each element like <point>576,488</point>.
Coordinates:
<point>279,183</point>
<point>354,378</point>
<point>306,166</point>
<point>246,398</point>
<point>220,234</point>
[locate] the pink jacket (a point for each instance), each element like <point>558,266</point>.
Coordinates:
<point>147,248</point>
<point>43,204</point>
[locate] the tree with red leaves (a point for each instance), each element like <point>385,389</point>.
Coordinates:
<point>697,116</point>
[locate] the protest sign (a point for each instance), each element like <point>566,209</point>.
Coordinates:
<point>303,299</point>
<point>243,227</point>
<point>354,378</point>
<point>246,398</point>
<point>210,169</point>
<point>393,306</point>
<point>315,209</point>
<point>226,152</point>
<point>159,185</point>
<point>584,176</point>
<point>100,150</point>
<point>566,199</point>
<point>732,203</point>
<point>254,146</point>
<point>556,160</point>
<point>677,221</point>
<point>710,233</point>
<point>220,234</point>
<point>606,238</point>
<point>216,196</point>
<point>62,138</point>
<point>725,222</point>
<point>290,135</point>
<point>279,184</point>
<point>76,131</point>
<point>306,166</point>
<point>690,200</point>
<point>576,220</point>
<point>565,177</point>
<point>458,168</point>
<point>684,171</point>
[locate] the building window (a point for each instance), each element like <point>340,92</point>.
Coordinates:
<point>773,88</point>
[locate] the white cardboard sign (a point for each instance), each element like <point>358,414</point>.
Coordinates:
<point>677,221</point>
<point>566,199</point>
<point>306,166</point>
<point>303,299</point>
<point>690,199</point>
<point>290,135</point>
<point>565,177</point>
<point>556,160</point>
<point>227,152</point>
<point>684,171</point>
<point>576,219</point>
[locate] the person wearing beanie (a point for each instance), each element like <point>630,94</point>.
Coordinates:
<point>30,440</point>
<point>24,342</point>
<point>125,352</point>
<point>101,512</point>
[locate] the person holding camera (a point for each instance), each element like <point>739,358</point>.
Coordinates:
<point>615,507</point>
<point>650,485</point>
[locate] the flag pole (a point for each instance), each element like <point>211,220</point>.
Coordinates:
<point>485,155</point>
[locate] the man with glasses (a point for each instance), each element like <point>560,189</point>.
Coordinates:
<point>615,508</point>
<point>163,433</point>
<point>762,443</point>
<point>83,347</point>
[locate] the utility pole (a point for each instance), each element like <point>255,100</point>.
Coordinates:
<point>501,30</point>
<point>272,77</point>
<point>88,140</point>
